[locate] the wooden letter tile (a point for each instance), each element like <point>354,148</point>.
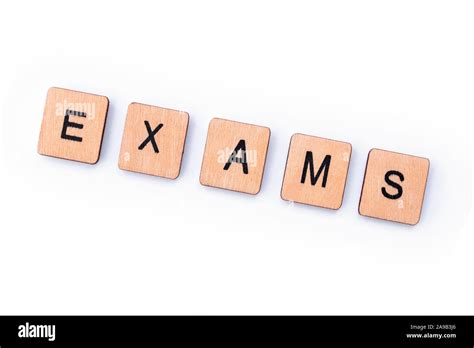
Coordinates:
<point>153,140</point>
<point>394,186</point>
<point>234,157</point>
<point>316,171</point>
<point>73,125</point>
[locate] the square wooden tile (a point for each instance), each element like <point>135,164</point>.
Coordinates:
<point>316,171</point>
<point>153,140</point>
<point>73,125</point>
<point>394,186</point>
<point>235,155</point>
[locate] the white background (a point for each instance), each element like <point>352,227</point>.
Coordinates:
<point>81,239</point>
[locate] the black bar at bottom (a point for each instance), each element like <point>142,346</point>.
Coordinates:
<point>289,331</point>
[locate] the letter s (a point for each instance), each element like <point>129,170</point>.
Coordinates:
<point>393,184</point>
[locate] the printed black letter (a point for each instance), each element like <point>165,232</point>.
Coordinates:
<point>151,137</point>
<point>308,162</point>
<point>243,160</point>
<point>393,184</point>
<point>67,124</point>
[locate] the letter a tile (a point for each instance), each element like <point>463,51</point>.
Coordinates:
<point>394,186</point>
<point>73,125</point>
<point>153,140</point>
<point>234,157</point>
<point>316,171</point>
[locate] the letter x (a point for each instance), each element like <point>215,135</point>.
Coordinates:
<point>151,137</point>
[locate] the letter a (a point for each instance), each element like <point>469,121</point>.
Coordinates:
<point>243,160</point>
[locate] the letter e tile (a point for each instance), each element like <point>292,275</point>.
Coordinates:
<point>73,125</point>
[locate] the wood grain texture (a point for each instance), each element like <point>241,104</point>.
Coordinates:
<point>222,138</point>
<point>169,140</point>
<point>56,140</point>
<point>405,209</point>
<point>331,195</point>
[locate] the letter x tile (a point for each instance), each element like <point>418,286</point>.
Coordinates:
<point>234,157</point>
<point>153,140</point>
<point>316,171</point>
<point>73,125</point>
<point>394,186</point>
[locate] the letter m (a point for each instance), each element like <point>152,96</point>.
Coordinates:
<point>41,330</point>
<point>309,164</point>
